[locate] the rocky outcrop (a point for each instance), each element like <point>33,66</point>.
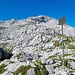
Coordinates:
<point>36,41</point>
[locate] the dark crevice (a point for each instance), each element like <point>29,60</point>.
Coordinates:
<point>4,54</point>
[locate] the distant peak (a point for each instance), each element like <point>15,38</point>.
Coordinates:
<point>40,19</point>
<point>13,19</point>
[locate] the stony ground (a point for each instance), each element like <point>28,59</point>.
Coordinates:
<point>33,46</point>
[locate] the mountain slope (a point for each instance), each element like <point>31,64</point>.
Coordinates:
<point>37,40</point>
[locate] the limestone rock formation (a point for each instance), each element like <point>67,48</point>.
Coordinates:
<point>35,45</point>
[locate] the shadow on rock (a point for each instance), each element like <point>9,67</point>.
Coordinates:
<point>4,55</point>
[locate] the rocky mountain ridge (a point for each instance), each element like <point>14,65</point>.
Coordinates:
<point>35,43</point>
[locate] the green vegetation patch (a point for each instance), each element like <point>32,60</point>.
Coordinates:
<point>2,70</point>
<point>40,68</point>
<point>69,40</point>
<point>73,50</point>
<point>54,57</point>
<point>54,67</point>
<point>59,36</point>
<point>67,54</point>
<point>22,69</point>
<point>57,43</point>
<point>71,46</point>
<point>72,72</point>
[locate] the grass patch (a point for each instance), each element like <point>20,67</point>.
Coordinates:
<point>72,71</point>
<point>2,70</point>
<point>22,69</point>
<point>65,63</point>
<point>69,39</point>
<point>52,56</point>
<point>67,54</point>
<point>40,68</point>
<point>59,36</point>
<point>54,67</point>
<point>73,50</point>
<point>71,46</point>
<point>57,44</point>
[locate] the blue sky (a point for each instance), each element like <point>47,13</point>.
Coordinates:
<point>22,9</point>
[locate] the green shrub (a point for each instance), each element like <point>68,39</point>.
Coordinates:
<point>40,71</point>
<point>37,70</point>
<point>22,69</point>
<point>40,68</point>
<point>44,71</point>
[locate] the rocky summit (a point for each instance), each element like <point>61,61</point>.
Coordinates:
<point>33,46</point>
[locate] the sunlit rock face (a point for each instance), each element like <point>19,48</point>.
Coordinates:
<point>35,46</point>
